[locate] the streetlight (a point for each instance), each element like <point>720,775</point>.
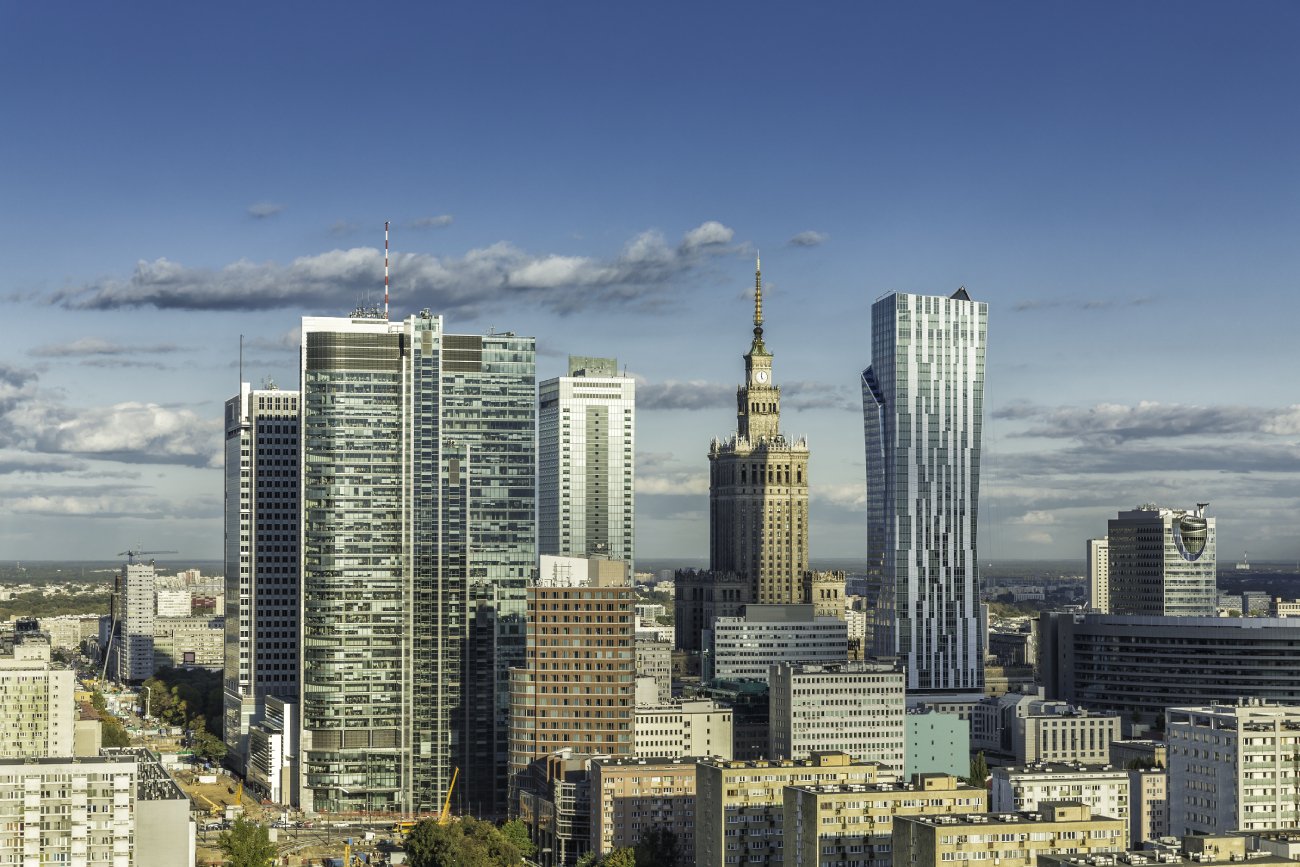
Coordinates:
<point>148,699</point>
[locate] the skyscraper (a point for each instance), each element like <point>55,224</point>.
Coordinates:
<point>418,539</point>
<point>1099,575</point>
<point>261,557</point>
<point>758,485</point>
<point>1162,562</point>
<point>586,431</point>
<point>131,624</point>
<point>922,401</point>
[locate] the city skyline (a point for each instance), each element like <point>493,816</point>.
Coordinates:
<point>1117,183</point>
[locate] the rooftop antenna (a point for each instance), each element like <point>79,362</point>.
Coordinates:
<point>241,361</point>
<point>385,270</point>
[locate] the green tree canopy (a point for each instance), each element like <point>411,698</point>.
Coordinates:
<point>979,770</point>
<point>246,844</point>
<point>658,848</point>
<point>517,833</point>
<point>464,843</point>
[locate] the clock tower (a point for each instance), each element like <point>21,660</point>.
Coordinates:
<point>758,485</point>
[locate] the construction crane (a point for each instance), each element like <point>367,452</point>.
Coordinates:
<point>445,817</point>
<point>131,555</point>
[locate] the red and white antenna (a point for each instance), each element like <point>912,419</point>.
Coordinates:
<point>385,270</point>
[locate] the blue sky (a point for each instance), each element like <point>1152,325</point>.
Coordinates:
<point>1118,181</point>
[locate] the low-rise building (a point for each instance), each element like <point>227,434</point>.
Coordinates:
<point>1198,851</point>
<point>936,743</point>
<point>632,796</point>
<point>1005,839</point>
<point>1139,752</point>
<point>1023,789</point>
<point>740,806</point>
<point>852,707</point>
<point>831,825</point>
<point>684,727</point>
<point>1054,731</point>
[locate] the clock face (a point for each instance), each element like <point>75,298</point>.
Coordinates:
<point>761,376</point>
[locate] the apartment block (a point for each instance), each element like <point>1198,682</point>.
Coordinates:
<point>36,708</point>
<point>632,796</point>
<point>1233,767</point>
<point>853,707</point>
<point>1006,839</point>
<point>838,825</point>
<point>740,806</point>
<point>1148,804</point>
<point>1106,791</point>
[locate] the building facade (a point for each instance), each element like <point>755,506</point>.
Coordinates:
<point>586,432</point>
<point>1099,575</point>
<point>937,743</point>
<point>36,709</point>
<point>1059,732</point>
<point>1143,665</point>
<point>746,647</point>
<point>418,540</point>
<point>131,645</point>
<point>685,727</point>
<point>856,708</point>
<point>922,401</point>
<point>632,796</point>
<point>1233,768</point>
<point>740,806</point>
<point>1021,789</point>
<point>758,485</point>
<point>831,826</point>
<point>655,659</point>
<point>261,634</point>
<point>576,688</point>
<point>1162,562</point>
<point>1006,839</point>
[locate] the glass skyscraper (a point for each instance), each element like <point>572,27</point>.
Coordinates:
<point>922,400</point>
<point>418,539</point>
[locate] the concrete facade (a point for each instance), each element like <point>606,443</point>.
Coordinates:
<point>746,647</point>
<point>1005,839</point>
<point>632,796</point>
<point>1020,789</point>
<point>685,727</point>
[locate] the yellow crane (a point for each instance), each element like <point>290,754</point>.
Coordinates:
<point>445,817</point>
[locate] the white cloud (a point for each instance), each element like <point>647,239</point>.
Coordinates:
<point>807,239</point>
<point>707,234</point>
<point>441,221</point>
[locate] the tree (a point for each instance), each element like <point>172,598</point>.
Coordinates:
<point>247,844</point>
<point>979,770</point>
<point>657,848</point>
<point>112,733</point>
<point>468,842</point>
<point>517,833</point>
<point>620,858</point>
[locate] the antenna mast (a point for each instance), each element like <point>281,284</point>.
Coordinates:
<point>385,270</point>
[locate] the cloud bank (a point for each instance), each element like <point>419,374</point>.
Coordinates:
<point>642,275</point>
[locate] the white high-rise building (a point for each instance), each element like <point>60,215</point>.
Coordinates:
<point>923,409</point>
<point>856,708</point>
<point>36,719</point>
<point>1022,789</point>
<point>1099,575</point>
<point>1162,562</point>
<point>1233,768</point>
<point>586,434</point>
<point>261,557</point>
<point>746,647</point>
<point>131,648</point>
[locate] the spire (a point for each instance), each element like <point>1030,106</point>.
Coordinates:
<point>758,296</point>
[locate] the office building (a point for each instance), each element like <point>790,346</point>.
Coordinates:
<point>684,727</point>
<point>1162,562</point>
<point>1143,665</point>
<point>190,642</point>
<point>1053,731</point>
<point>586,432</point>
<point>700,597</point>
<point>851,707</point>
<point>834,825</point>
<point>922,401</point>
<point>758,485</point>
<point>746,647</point>
<point>173,603</point>
<point>936,743</point>
<point>273,752</point>
<point>740,806</point>
<point>1022,788</point>
<point>261,511</point>
<point>418,499</point>
<point>632,796</point>
<point>554,801</point>
<point>1098,557</point>
<point>1233,768</point>
<point>749,703</point>
<point>1006,839</point>
<point>36,709</point>
<point>576,687</point>
<point>655,659</point>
